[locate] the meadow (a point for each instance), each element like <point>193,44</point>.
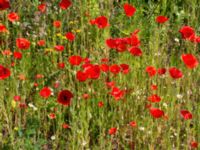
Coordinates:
<point>99,74</point>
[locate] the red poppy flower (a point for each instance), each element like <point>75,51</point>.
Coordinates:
<point>187,32</point>
<point>104,60</point>
<point>4,4</point>
<point>151,71</point>
<point>112,131</point>
<point>59,48</point>
<point>57,24</point>
<point>7,52</point>
<point>133,124</point>
<point>70,36</point>
<point>190,60</point>
<point>134,40</point>
<point>194,144</point>
<point>120,44</point>
<point>75,60</point>
<point>65,126</point>
<point>45,92</point>
<point>81,76</point>
<point>154,87</point>
<point>56,84</point>
<point>92,21</point>
<point>17,55</point>
<point>175,73</point>
<point>100,104</point>
<point>35,84</point>
<point>64,97</point>
<point>115,69</point>
<point>64,4</point>
<point>52,115</point>
<point>121,47</point>
<point>42,8</point>
<point>104,67</point>
<point>17,98</point>
<point>39,76</point>
<point>101,22</point>
<point>197,39</point>
<point>22,105</point>
<point>110,84</point>
<point>161,19</point>
<point>86,60</point>
<point>117,93</point>
<point>154,98</point>
<point>92,71</point>
<point>22,43</point>
<point>148,106</point>
<point>111,43</point>
<point>4,72</point>
<point>61,65</point>
<point>12,17</point>
<point>125,68</point>
<point>41,42</point>
<point>135,51</point>
<point>86,96</point>
<point>3,28</point>
<point>129,10</point>
<point>186,114</point>
<point>156,113</point>
<point>161,71</point>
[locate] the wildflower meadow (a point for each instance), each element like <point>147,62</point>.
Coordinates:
<point>99,74</point>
